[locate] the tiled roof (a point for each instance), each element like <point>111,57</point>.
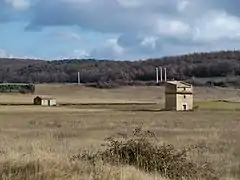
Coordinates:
<point>178,83</point>
<point>44,97</point>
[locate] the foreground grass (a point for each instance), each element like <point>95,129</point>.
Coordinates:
<point>49,170</point>
<point>134,158</point>
<point>38,143</point>
<point>48,139</point>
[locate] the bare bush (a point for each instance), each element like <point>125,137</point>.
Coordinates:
<point>137,150</point>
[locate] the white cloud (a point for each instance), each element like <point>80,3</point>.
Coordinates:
<point>149,42</point>
<point>171,27</point>
<point>5,54</point>
<point>110,49</point>
<point>19,4</point>
<point>130,3</point>
<point>182,5</point>
<point>121,15</point>
<point>73,36</point>
<point>79,53</point>
<point>66,36</point>
<point>217,25</point>
<point>146,28</point>
<point>112,43</point>
<point>76,1</point>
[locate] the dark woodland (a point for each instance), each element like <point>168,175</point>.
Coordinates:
<point>215,68</point>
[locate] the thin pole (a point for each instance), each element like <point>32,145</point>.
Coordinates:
<point>78,77</point>
<point>161,76</point>
<point>157,75</point>
<point>165,74</point>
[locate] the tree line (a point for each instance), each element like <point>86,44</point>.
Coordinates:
<point>184,67</point>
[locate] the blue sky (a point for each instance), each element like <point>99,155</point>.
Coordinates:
<point>116,29</point>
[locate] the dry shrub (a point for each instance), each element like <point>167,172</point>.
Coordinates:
<point>138,150</point>
<point>103,85</point>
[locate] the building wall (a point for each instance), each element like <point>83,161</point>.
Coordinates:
<point>184,99</point>
<point>44,102</point>
<point>52,102</point>
<point>178,96</point>
<point>170,102</point>
<point>37,101</point>
<point>184,89</point>
<point>170,88</point>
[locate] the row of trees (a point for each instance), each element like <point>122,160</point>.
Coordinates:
<point>214,64</point>
<point>22,88</point>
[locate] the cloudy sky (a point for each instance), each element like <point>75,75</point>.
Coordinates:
<point>116,29</point>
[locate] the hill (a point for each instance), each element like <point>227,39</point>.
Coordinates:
<point>204,67</point>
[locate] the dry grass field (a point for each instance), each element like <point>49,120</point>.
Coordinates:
<point>37,142</point>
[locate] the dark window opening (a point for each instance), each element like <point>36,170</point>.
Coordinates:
<point>184,107</point>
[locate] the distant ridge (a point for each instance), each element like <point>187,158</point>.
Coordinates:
<point>183,67</point>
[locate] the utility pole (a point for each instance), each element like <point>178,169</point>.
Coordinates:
<point>157,75</point>
<point>161,76</point>
<point>165,70</point>
<point>79,78</point>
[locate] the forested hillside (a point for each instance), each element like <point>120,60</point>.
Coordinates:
<point>198,65</point>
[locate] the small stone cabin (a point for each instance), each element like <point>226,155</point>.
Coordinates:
<point>178,96</point>
<point>44,101</point>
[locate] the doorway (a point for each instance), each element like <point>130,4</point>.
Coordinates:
<point>184,107</point>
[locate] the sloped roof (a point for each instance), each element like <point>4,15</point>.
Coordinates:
<point>179,83</point>
<point>44,97</point>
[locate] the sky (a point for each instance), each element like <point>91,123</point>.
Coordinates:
<point>116,29</point>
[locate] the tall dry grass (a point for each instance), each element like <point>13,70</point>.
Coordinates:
<point>37,142</point>
<point>47,170</point>
<point>136,157</point>
<point>138,151</point>
<point>43,143</point>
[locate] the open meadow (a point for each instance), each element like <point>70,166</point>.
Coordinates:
<point>41,142</point>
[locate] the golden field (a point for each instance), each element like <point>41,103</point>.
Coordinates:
<point>36,142</point>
